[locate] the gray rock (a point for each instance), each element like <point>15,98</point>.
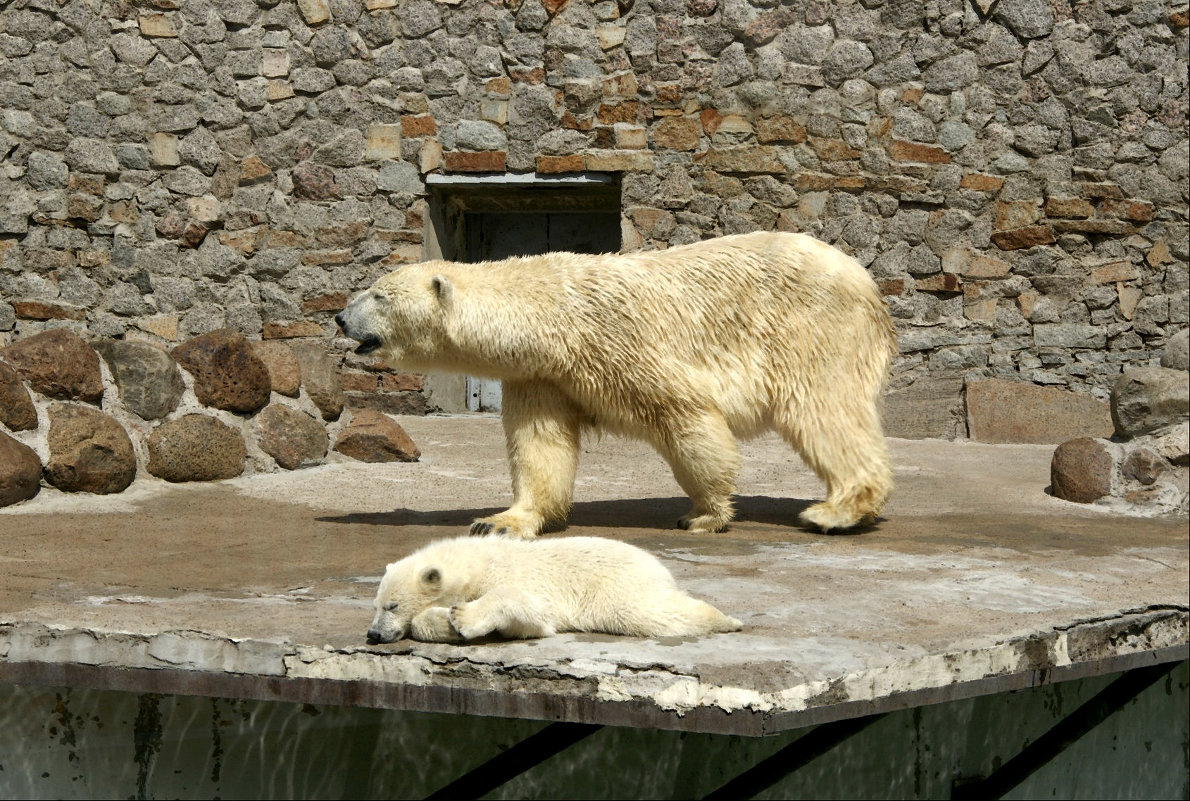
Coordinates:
<point>195,447</point>
<point>89,451</point>
<point>91,155</point>
<point>952,73</point>
<point>1002,411</point>
<point>400,176</point>
<point>148,380</point>
<point>1028,19</point>
<point>47,170</point>
<point>20,471</point>
<point>1146,399</point>
<point>479,135</point>
<point>846,59</point>
<point>1176,355</point>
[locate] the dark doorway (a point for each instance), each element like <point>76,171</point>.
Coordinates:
<point>486,219</point>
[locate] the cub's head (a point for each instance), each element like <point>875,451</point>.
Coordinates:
<point>400,317</point>
<point>408,588</point>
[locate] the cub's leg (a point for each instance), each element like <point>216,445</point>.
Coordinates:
<point>702,452</point>
<point>505,611</point>
<point>433,625</point>
<point>541,429</point>
<point>844,445</point>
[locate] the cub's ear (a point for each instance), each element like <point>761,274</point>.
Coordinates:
<point>431,576</point>
<point>443,289</point>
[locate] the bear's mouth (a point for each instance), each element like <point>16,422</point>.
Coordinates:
<point>369,344</point>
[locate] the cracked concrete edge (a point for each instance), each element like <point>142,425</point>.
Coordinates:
<point>446,679</point>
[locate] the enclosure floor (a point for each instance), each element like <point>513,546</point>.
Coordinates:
<point>976,581</point>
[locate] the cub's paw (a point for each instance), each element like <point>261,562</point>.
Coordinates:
<point>433,625</point>
<point>508,524</point>
<point>468,622</point>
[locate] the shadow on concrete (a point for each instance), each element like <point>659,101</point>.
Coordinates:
<point>661,513</point>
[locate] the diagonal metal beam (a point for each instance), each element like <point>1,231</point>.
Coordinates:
<point>1063,734</point>
<point>525,755</point>
<point>799,753</point>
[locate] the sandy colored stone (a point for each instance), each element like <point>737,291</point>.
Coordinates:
<point>227,373</point>
<point>373,437</point>
<point>196,447</point>
<point>89,451</point>
<point>58,364</point>
<point>1146,399</point>
<point>320,377</point>
<point>17,411</point>
<point>1016,411</point>
<point>20,471</point>
<point>293,438</point>
<point>1081,470</point>
<point>285,374</point>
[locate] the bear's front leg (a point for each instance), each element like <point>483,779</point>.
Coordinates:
<point>506,612</point>
<point>541,430</point>
<point>702,452</point>
<point>433,625</point>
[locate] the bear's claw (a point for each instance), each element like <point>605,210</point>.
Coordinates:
<point>479,529</point>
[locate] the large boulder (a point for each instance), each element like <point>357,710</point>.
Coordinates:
<point>1003,411</point>
<point>1082,470</point>
<point>291,437</point>
<point>149,381</point>
<point>16,407</point>
<point>195,447</point>
<point>58,364</point>
<point>227,373</point>
<point>89,451</point>
<point>320,377</point>
<point>1146,399</point>
<point>1176,355</point>
<point>372,437</point>
<point>20,471</point>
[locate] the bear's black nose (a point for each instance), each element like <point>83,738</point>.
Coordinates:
<point>373,637</point>
<point>339,320</point>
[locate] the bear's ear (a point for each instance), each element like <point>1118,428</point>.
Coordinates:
<point>431,576</point>
<point>443,289</point>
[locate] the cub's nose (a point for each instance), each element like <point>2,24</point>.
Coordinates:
<point>339,320</point>
<point>373,637</point>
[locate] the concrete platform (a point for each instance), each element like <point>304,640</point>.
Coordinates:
<point>976,582</point>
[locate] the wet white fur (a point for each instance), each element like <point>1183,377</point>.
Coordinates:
<point>686,348</point>
<point>465,588</point>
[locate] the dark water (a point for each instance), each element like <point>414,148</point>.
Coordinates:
<point>64,743</point>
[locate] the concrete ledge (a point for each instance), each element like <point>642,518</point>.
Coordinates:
<point>976,582</point>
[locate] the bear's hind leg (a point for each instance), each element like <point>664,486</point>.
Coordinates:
<point>845,447</point>
<point>541,430</point>
<point>705,460</point>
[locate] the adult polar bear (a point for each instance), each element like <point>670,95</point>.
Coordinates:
<point>686,348</point>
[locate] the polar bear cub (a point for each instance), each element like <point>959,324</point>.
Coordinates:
<point>464,588</point>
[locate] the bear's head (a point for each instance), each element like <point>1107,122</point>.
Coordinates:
<point>401,316</point>
<point>409,587</point>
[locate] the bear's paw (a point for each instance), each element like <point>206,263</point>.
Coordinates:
<point>515,525</point>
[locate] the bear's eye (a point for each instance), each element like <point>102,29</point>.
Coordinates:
<point>391,607</point>
<point>377,295</point>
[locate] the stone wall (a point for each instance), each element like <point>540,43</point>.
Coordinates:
<point>1012,172</point>
<point>90,417</point>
